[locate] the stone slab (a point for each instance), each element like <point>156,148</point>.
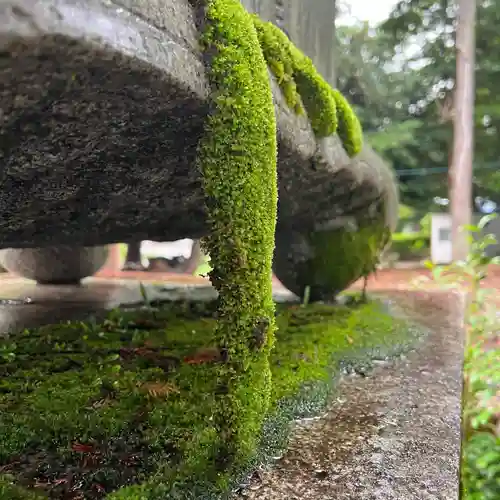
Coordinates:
<point>103,104</point>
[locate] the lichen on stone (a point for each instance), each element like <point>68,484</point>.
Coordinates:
<point>305,89</point>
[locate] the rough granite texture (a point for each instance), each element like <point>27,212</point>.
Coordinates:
<point>393,434</point>
<point>101,110</point>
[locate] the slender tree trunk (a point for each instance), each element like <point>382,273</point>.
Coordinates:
<point>463,129</point>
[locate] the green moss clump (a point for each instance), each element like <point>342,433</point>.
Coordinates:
<point>121,405</point>
<point>237,159</point>
<point>303,87</point>
<point>338,258</point>
<point>276,50</point>
<point>349,128</point>
<point>8,490</point>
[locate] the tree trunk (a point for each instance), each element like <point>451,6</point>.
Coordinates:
<point>463,130</point>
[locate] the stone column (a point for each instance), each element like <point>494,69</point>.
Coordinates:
<point>133,258</point>
<point>62,265</point>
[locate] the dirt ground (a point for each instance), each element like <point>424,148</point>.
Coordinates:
<point>397,279</point>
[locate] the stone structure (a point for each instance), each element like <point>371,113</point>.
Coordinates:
<point>103,106</point>
<point>62,265</point>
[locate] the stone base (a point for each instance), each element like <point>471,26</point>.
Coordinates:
<point>24,304</point>
<point>54,265</point>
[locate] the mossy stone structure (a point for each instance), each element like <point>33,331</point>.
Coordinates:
<point>136,119</point>
<point>102,121</point>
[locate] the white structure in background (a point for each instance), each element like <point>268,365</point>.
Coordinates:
<point>167,250</point>
<point>441,238</point>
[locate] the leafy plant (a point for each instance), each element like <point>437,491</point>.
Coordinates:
<point>8,352</point>
<point>480,472</point>
<point>410,245</point>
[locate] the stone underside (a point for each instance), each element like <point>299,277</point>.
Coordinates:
<point>101,122</point>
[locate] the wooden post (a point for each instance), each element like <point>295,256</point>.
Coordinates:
<point>463,129</point>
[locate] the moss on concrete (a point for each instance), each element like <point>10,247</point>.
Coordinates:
<point>134,398</point>
<point>10,491</point>
<point>303,87</point>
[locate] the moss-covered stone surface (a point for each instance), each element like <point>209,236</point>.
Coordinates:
<point>180,402</point>
<point>339,258</point>
<point>237,159</point>
<point>306,90</point>
<point>126,408</point>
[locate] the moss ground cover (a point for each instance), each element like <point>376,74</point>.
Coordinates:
<point>124,408</point>
<point>180,401</point>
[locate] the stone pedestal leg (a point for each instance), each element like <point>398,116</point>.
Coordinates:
<point>62,265</point>
<point>133,258</point>
<point>193,261</point>
<point>326,261</point>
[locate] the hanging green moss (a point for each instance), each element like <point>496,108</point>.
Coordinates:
<point>276,50</point>
<point>349,128</point>
<point>237,159</point>
<point>303,87</point>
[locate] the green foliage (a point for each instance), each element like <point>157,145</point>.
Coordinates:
<point>481,468</point>
<point>399,78</point>
<point>481,448</point>
<point>405,212</point>
<point>401,134</point>
<point>411,245</point>
<point>237,159</point>
<point>303,87</point>
<point>430,25</point>
<point>127,400</point>
<point>204,268</point>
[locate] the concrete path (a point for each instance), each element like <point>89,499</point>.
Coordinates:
<point>392,435</point>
